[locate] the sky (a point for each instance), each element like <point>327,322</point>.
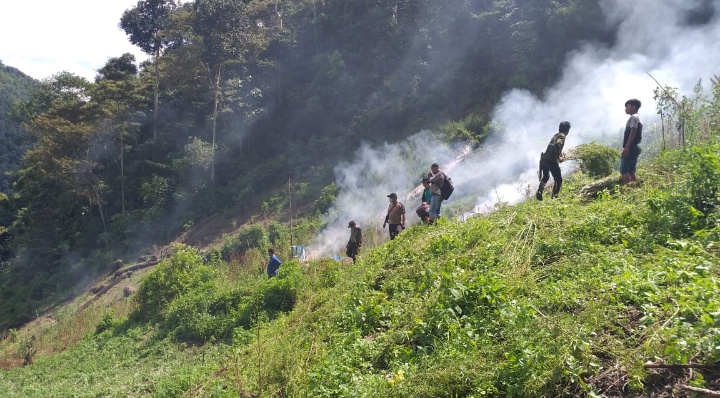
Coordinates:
<point>655,38</point>
<point>44,37</point>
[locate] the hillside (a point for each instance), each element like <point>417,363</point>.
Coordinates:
<point>616,296</point>
<point>133,246</point>
<point>237,99</point>
<point>14,86</point>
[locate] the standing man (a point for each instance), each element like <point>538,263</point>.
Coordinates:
<point>395,216</point>
<point>274,263</point>
<point>436,178</point>
<point>631,140</point>
<point>353,245</point>
<point>550,161</point>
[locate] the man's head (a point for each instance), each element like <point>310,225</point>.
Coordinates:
<point>271,251</point>
<point>435,168</point>
<point>352,224</point>
<point>564,127</point>
<point>632,106</point>
<point>393,197</point>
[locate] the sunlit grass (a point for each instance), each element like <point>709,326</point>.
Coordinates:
<point>563,297</point>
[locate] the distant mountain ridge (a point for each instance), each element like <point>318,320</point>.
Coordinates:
<point>14,86</point>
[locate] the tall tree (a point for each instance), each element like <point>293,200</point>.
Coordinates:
<point>223,26</point>
<point>59,169</point>
<point>115,100</point>
<point>143,25</point>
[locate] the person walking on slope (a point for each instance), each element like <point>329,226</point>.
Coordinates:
<point>423,211</point>
<point>550,161</point>
<point>631,140</point>
<point>273,267</point>
<point>355,241</point>
<point>395,216</point>
<point>436,178</point>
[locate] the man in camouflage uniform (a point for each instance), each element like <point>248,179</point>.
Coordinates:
<point>550,161</point>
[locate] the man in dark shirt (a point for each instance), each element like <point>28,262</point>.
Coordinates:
<point>355,241</point>
<point>550,161</point>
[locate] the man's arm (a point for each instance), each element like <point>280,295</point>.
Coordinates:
<point>630,140</point>
<point>437,180</point>
<point>559,144</point>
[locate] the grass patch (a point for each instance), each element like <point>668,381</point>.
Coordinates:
<point>555,298</point>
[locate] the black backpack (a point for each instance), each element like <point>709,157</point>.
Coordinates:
<point>447,188</point>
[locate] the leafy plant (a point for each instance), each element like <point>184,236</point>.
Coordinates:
<point>184,271</point>
<point>596,160</point>
<point>251,236</point>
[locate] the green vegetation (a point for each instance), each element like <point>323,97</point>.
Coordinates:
<point>14,86</point>
<point>240,102</point>
<point>237,99</point>
<point>554,298</point>
<point>596,160</point>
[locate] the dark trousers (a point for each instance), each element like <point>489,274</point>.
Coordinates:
<point>352,250</point>
<point>548,167</point>
<point>394,230</point>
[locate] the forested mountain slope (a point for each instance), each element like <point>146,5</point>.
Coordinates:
<point>241,97</point>
<point>14,86</point>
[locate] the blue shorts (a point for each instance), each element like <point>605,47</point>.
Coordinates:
<point>628,164</point>
<point>435,202</point>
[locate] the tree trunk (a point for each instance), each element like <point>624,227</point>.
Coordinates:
<point>214,120</point>
<point>156,95</point>
<point>122,172</point>
<point>98,199</point>
<point>490,41</point>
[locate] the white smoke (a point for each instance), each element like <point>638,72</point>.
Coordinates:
<point>366,181</point>
<point>654,38</point>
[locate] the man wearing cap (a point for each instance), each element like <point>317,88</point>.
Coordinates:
<point>395,216</point>
<point>353,245</point>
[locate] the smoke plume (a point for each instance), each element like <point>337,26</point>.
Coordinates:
<point>675,41</point>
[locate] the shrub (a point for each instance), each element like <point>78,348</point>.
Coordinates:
<point>704,183</point>
<point>206,314</point>
<point>472,128</point>
<point>595,160</point>
<point>326,199</point>
<point>671,215</point>
<point>188,318</point>
<point>107,321</point>
<point>276,232</point>
<point>182,272</point>
<point>249,237</point>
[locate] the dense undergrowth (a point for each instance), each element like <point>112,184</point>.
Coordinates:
<point>556,298</point>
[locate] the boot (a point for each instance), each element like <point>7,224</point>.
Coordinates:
<point>556,189</point>
<point>538,194</point>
